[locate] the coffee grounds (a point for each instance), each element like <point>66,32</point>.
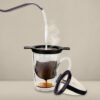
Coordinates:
<point>46,70</point>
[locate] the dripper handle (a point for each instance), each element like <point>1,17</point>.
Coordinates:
<point>65,48</point>
<point>27,47</point>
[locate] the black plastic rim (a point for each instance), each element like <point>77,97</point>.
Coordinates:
<point>59,80</point>
<point>54,49</point>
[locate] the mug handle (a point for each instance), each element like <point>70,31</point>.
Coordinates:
<point>69,62</point>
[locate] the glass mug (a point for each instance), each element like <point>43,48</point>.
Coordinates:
<point>45,64</point>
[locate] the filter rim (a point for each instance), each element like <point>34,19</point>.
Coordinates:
<point>54,49</point>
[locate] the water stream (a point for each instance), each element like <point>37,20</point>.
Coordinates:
<point>46,29</point>
<point>43,13</point>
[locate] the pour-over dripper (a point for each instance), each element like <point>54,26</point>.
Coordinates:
<point>46,63</point>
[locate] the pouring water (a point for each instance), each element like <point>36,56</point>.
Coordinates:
<point>46,28</point>
<point>43,13</point>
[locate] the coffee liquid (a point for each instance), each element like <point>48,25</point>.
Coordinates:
<point>45,85</point>
<point>46,70</point>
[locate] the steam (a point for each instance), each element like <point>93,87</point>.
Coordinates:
<point>54,32</point>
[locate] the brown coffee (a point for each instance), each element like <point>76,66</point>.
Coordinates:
<point>46,70</point>
<point>45,85</point>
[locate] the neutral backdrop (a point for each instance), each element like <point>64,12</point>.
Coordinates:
<point>79,25</point>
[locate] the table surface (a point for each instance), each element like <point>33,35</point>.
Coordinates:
<point>24,90</point>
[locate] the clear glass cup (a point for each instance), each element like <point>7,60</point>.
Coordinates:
<point>45,64</point>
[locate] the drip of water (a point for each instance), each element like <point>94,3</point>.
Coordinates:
<point>46,28</point>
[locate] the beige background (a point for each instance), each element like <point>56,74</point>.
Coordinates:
<point>79,25</point>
